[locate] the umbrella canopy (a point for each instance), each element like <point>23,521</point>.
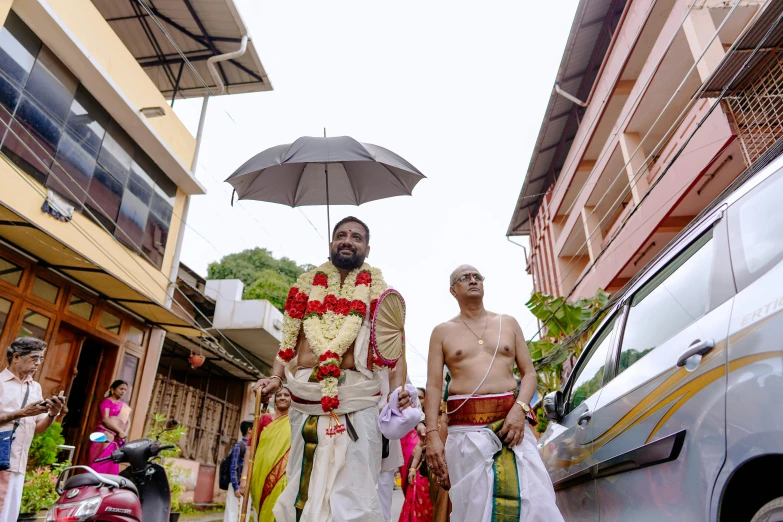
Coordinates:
<point>324,171</point>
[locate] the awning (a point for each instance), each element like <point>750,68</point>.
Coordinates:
<point>32,241</point>
<point>201,29</point>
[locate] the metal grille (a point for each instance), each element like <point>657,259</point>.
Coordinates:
<point>757,107</point>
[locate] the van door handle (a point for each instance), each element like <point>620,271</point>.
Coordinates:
<point>584,418</point>
<point>697,347</point>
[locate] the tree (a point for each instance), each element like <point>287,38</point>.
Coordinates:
<point>564,335</point>
<point>264,276</point>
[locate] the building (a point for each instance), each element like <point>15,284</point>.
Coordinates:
<point>96,172</point>
<point>636,139</point>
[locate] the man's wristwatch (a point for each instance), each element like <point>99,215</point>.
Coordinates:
<point>525,407</point>
<point>53,416</point>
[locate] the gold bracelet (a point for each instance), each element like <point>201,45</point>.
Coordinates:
<point>243,478</point>
<point>279,379</point>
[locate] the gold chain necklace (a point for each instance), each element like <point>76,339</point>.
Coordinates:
<point>480,339</point>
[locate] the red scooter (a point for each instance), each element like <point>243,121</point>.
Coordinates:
<point>139,493</point>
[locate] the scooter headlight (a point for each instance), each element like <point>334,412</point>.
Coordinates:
<point>74,511</point>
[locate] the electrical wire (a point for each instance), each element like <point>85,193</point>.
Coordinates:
<point>715,104</point>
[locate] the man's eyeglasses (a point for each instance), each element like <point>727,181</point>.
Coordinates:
<point>467,277</point>
<point>35,358</point>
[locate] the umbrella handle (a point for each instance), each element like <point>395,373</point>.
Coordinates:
<point>233,193</point>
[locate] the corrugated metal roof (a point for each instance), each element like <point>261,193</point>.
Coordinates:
<point>201,29</point>
<point>591,32</point>
<point>745,46</point>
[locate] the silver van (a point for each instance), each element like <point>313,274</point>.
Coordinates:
<point>674,410</point>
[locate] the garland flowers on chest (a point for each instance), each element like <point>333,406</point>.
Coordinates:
<point>332,315</point>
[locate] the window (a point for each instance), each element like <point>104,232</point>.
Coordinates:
<point>135,336</point>
<point>677,296</point>
<point>34,325</point>
<point>62,137</point>
<point>5,309</point>
<point>111,322</point>
<point>756,230</point>
<point>9,272</point>
<point>45,290</point>
<point>590,374</point>
<point>128,374</point>
<point>80,308</point>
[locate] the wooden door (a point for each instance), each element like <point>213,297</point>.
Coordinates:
<point>59,369</point>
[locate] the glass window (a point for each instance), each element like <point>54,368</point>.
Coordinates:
<point>45,290</point>
<point>76,155</point>
<point>135,335</point>
<point>5,309</point>
<point>757,223</point>
<point>128,374</point>
<point>590,374</point>
<point>105,198</point>
<point>51,86</point>
<point>115,154</point>
<point>132,221</point>
<point>154,242</point>
<point>110,322</point>
<point>34,325</point>
<point>9,272</point>
<point>80,308</point>
<point>670,301</point>
<point>18,49</point>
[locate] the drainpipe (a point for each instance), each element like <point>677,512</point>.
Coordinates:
<point>199,135</point>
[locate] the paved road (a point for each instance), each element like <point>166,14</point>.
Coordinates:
<point>397,501</point>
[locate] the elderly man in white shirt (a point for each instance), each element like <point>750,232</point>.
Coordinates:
<point>23,411</point>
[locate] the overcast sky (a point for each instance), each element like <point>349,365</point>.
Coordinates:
<point>456,88</point>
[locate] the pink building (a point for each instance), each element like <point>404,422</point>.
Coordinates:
<point>630,93</point>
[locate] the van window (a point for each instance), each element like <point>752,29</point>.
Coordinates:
<point>590,374</point>
<point>677,296</point>
<point>756,230</point>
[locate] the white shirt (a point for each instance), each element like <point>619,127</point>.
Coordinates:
<point>12,391</point>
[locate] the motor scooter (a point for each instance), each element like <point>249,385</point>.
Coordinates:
<point>139,493</point>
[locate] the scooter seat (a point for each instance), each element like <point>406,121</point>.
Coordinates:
<point>88,479</point>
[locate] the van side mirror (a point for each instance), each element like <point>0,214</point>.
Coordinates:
<point>553,405</point>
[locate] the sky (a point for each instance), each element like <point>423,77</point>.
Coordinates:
<point>456,88</point>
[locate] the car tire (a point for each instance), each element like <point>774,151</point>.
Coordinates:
<point>772,511</point>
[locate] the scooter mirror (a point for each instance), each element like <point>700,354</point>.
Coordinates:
<point>98,436</point>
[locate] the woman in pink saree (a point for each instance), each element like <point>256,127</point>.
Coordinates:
<point>115,419</point>
<point>415,485</point>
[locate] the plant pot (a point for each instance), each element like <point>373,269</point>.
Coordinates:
<point>26,517</point>
<point>173,516</point>
<point>196,360</point>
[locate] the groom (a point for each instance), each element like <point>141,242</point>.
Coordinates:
<point>326,360</point>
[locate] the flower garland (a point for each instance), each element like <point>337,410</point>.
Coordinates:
<point>332,314</point>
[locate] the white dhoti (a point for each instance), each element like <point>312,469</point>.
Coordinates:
<point>343,483</point>
<point>475,468</point>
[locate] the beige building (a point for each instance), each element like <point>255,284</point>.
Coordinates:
<point>96,172</point>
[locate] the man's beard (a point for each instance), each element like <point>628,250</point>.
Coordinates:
<point>346,263</point>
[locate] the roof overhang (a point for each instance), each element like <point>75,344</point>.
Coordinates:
<point>733,63</point>
<point>36,244</point>
<point>594,24</point>
<point>201,29</point>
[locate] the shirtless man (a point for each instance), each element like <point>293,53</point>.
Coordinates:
<point>489,418</point>
<point>335,456</point>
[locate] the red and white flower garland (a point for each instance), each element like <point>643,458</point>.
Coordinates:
<point>332,314</point>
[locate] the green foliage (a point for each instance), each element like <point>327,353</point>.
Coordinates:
<point>177,477</point>
<point>39,492</point>
<point>562,321</point>
<point>264,276</point>
<point>543,421</point>
<point>43,450</point>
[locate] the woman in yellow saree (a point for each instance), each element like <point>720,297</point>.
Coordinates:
<point>271,458</point>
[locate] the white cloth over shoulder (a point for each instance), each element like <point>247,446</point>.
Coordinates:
<point>470,455</point>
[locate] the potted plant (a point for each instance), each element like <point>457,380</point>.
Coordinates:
<point>170,432</point>
<point>42,472</point>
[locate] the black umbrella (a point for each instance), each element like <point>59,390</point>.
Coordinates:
<point>324,171</point>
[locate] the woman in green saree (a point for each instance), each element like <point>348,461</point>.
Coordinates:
<point>271,458</point>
